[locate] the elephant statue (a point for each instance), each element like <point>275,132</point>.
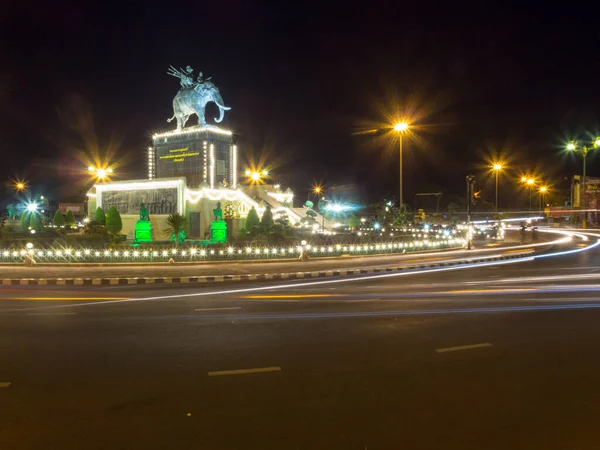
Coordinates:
<point>193,101</point>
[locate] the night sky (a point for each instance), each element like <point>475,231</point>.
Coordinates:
<point>304,82</point>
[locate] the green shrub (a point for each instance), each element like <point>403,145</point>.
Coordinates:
<point>59,243</point>
<point>267,218</point>
<point>95,227</point>
<point>252,221</point>
<point>176,228</point>
<point>243,234</point>
<point>114,224</point>
<point>70,218</point>
<point>276,237</point>
<point>35,222</point>
<point>24,221</point>
<point>93,240</point>
<point>58,220</point>
<point>99,216</point>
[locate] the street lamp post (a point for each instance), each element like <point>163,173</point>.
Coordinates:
<point>529,182</point>
<point>572,146</point>
<point>323,215</point>
<point>497,167</point>
<point>400,128</point>
<point>318,191</point>
<point>543,190</point>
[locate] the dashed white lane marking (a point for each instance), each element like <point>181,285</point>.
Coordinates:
<point>243,371</point>
<point>51,314</point>
<point>462,347</point>
<point>4,384</point>
<point>367,300</point>
<point>277,301</point>
<point>218,309</point>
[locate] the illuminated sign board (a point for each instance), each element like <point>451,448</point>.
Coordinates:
<point>179,154</point>
<point>158,201</point>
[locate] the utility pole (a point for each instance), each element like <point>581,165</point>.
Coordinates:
<point>470,199</point>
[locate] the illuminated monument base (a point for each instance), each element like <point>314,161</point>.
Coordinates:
<point>205,156</point>
<point>218,231</point>
<point>167,196</point>
<point>189,172</point>
<point>143,231</point>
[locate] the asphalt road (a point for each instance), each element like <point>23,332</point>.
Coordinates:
<point>492,357</point>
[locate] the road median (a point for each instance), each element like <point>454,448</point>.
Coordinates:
<point>253,277</point>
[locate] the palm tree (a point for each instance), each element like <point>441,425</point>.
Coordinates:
<point>176,223</point>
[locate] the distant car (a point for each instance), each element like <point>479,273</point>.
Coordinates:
<point>486,232</point>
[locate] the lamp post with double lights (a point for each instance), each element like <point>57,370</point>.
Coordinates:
<point>256,176</point>
<point>101,173</point>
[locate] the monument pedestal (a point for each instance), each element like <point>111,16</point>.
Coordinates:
<point>143,231</point>
<point>218,231</point>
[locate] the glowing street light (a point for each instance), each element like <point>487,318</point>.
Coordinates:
<point>101,173</point>
<point>401,128</point>
<point>529,182</point>
<point>497,167</point>
<point>256,176</point>
<point>317,190</point>
<point>572,146</point>
<point>20,185</point>
<point>542,191</point>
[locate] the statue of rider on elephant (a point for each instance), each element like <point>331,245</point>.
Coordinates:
<point>193,97</point>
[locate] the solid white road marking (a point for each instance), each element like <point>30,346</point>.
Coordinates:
<point>285,286</point>
<point>462,347</point>
<point>4,384</point>
<point>218,309</point>
<point>51,314</point>
<point>243,371</point>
